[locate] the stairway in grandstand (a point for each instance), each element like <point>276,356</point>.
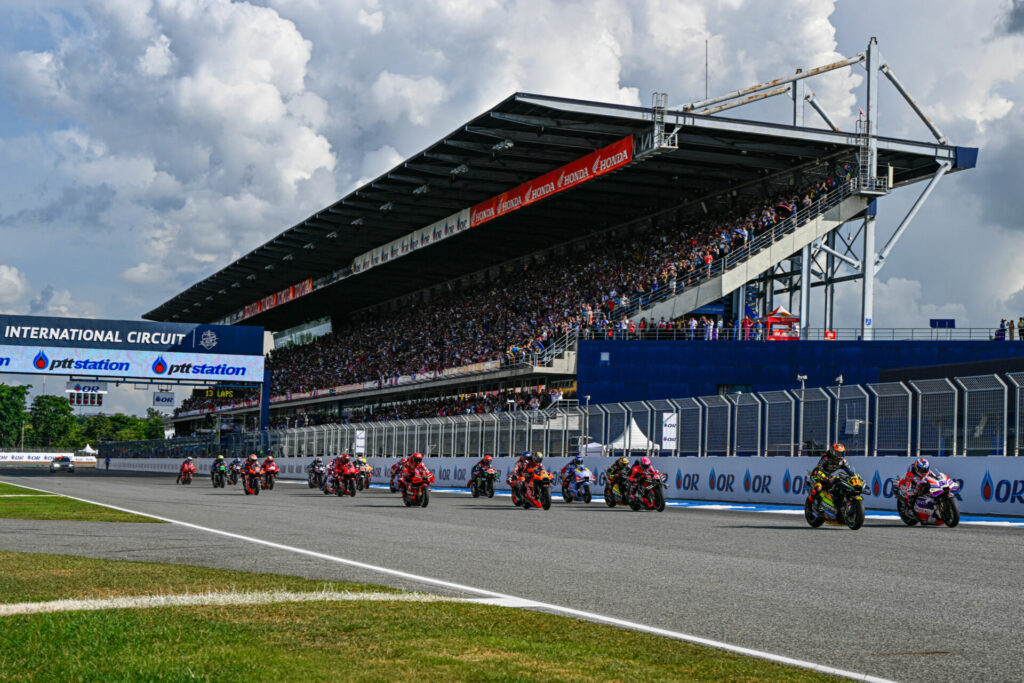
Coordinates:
<point>764,251</point>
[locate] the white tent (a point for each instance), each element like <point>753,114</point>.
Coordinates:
<point>592,448</point>
<point>89,450</point>
<point>633,439</point>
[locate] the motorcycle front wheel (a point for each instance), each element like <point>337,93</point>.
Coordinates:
<point>545,497</point>
<point>609,496</point>
<point>855,514</point>
<point>949,511</point>
<point>351,488</point>
<point>659,499</point>
<point>566,496</point>
<point>270,482</point>
<point>473,490</point>
<point>811,514</point>
<point>906,514</point>
<point>490,488</point>
<point>426,498</point>
<point>587,497</point>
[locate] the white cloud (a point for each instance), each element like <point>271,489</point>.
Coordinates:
<point>374,21</point>
<point>14,287</point>
<point>414,96</point>
<point>157,59</point>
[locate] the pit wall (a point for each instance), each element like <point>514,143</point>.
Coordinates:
<point>43,459</point>
<point>992,485</point>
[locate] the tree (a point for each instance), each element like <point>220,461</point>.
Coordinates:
<point>97,428</point>
<point>153,425</point>
<point>53,423</point>
<point>12,414</point>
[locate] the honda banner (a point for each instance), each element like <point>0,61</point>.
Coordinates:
<point>604,160</point>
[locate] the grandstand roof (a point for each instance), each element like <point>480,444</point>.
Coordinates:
<point>519,139</point>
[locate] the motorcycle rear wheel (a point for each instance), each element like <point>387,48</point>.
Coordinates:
<point>949,512</point>
<point>855,514</point>
<point>811,515</point>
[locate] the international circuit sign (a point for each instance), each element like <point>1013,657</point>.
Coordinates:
<point>129,349</point>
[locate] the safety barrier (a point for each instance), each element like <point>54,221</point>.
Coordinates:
<point>939,417</point>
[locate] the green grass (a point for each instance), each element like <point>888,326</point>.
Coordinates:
<point>11,489</point>
<point>58,507</point>
<point>37,577</point>
<point>326,641</point>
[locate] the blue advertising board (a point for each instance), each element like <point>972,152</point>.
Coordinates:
<point>130,349</point>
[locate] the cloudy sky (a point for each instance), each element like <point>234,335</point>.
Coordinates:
<point>146,143</point>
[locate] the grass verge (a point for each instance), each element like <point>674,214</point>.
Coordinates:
<point>38,577</point>
<point>58,507</point>
<point>360,641</point>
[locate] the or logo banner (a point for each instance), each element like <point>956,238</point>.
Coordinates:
<point>604,160</point>
<point>85,388</point>
<point>163,399</point>
<point>669,423</point>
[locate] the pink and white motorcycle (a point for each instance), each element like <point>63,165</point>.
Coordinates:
<point>935,504</point>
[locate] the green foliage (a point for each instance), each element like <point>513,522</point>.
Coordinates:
<point>119,427</point>
<point>53,423</point>
<point>12,414</point>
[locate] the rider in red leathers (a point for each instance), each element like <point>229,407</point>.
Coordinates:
<point>186,466</point>
<point>640,469</point>
<point>413,467</point>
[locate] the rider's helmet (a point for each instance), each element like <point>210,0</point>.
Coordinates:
<point>920,467</point>
<point>253,458</point>
<point>417,458</point>
<point>836,453</point>
<point>578,460</point>
<point>220,457</point>
<point>538,457</point>
<point>188,458</point>
<point>624,460</point>
<point>270,458</point>
<point>345,457</point>
<point>362,460</point>
<point>645,461</point>
<point>488,458</point>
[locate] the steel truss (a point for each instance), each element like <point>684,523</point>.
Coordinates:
<point>846,253</point>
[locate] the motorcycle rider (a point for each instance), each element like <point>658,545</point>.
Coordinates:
<point>484,463</point>
<point>640,469</point>
<point>219,460</point>
<point>186,466</point>
<point>252,466</point>
<point>833,462</point>
<point>316,462</point>
<point>916,474</point>
<point>413,467</point>
<point>619,471</point>
<point>570,467</point>
<point>268,461</point>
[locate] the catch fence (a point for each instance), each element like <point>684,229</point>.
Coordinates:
<point>936,417</point>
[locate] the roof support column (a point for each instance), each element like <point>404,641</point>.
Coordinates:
<point>830,287</point>
<point>867,302</point>
<point>805,292</point>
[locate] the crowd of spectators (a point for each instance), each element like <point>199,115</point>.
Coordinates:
<point>524,312</point>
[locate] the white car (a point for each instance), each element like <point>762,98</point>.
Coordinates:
<point>62,463</point>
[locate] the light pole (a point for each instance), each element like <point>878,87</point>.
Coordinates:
<point>800,437</point>
<point>586,425</point>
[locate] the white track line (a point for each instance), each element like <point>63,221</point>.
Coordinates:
<point>204,599</point>
<point>510,599</point>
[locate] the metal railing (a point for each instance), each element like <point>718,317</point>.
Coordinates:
<point>738,333</point>
<point>937,417</point>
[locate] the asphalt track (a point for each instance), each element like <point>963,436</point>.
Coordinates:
<point>890,601</point>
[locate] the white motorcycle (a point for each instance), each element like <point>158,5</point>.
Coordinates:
<point>576,484</point>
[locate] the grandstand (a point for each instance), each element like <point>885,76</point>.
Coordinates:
<point>463,278</point>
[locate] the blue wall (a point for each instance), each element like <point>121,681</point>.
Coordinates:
<point>639,370</point>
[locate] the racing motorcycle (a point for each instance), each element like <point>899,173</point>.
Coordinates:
<point>185,476</point>
<point>218,475</point>
<point>234,473</point>
<point>417,490</point>
<point>396,474</point>
<point>251,481</point>
<point>365,472</point>
<point>344,483</point>
<point>315,476</point>
<point>483,483</point>
<point>617,493</point>
<point>535,493</point>
<point>576,484</point>
<point>269,475</point>
<point>936,500</point>
<point>843,505</point>
<point>647,493</point>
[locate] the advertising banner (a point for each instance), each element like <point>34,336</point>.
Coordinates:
<point>669,424</point>
<point>604,160</point>
<point>85,388</point>
<point>425,236</point>
<point>163,399</point>
<point>46,360</point>
<point>278,298</point>
<point>127,335</point>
